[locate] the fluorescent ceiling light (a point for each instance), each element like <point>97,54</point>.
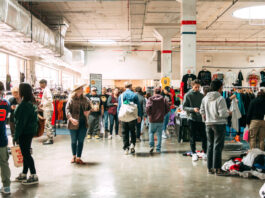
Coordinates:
<point>255,12</point>
<point>102,42</point>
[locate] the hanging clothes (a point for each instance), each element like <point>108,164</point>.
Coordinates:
<point>239,80</point>
<point>236,115</point>
<point>240,103</point>
<point>262,75</point>
<point>230,79</point>
<point>219,76</point>
<point>205,76</point>
<point>187,79</point>
<point>253,79</point>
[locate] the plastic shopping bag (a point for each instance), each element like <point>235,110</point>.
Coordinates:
<point>246,134</point>
<point>17,156</point>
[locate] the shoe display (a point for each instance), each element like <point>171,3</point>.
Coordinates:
<point>33,179</point>
<point>21,177</point>
<point>6,190</point>
<point>195,157</point>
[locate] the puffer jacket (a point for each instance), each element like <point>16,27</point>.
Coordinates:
<point>72,110</point>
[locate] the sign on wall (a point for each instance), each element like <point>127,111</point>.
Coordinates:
<point>96,81</point>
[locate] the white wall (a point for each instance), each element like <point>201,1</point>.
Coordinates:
<point>138,65</point>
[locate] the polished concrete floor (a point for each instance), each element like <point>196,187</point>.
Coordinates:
<point>109,173</point>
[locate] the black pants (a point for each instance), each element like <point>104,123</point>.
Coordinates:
<point>114,119</point>
<point>216,139</point>
<point>197,129</point>
<point>25,146</point>
<point>127,128</point>
<point>138,129</point>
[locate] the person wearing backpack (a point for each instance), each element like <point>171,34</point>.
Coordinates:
<point>129,112</point>
<point>26,126</point>
<point>5,170</point>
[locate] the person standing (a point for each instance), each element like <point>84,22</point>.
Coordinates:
<point>142,103</point>
<point>26,120</point>
<point>156,108</point>
<point>128,127</point>
<point>97,110</point>
<point>47,107</point>
<point>215,113</point>
<point>104,98</point>
<point>77,111</point>
<point>4,156</point>
<point>167,95</point>
<point>192,103</point>
<point>256,121</point>
<point>113,105</point>
<point>14,101</point>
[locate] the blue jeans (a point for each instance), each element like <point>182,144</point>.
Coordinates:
<point>106,120</point>
<point>166,120</point>
<point>114,118</point>
<point>155,127</point>
<point>77,139</point>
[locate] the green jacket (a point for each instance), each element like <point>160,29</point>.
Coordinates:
<point>26,120</point>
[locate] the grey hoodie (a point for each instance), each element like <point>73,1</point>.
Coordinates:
<point>214,108</point>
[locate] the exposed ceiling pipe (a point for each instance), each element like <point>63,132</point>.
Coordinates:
<point>219,16</point>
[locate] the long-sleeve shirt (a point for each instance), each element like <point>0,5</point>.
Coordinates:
<point>256,110</point>
<point>47,100</point>
<point>130,96</point>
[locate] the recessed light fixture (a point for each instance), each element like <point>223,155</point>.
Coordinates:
<point>102,42</point>
<point>254,12</point>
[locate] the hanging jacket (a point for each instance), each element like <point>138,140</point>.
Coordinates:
<point>236,115</point>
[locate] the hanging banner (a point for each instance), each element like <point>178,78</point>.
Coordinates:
<point>96,81</point>
<point>165,82</point>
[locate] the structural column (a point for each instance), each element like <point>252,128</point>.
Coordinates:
<point>165,35</point>
<point>31,73</point>
<point>188,36</point>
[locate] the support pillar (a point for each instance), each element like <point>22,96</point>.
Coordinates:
<point>165,35</point>
<point>188,36</point>
<point>31,73</point>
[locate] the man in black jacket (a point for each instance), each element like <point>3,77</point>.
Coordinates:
<point>256,121</point>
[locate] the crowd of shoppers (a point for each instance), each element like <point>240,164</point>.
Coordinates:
<point>207,118</point>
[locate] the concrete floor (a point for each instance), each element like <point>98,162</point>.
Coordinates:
<point>109,173</point>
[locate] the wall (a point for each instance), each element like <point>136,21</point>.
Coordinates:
<point>138,65</point>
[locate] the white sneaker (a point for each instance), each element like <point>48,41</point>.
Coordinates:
<point>126,152</point>
<point>164,135</point>
<point>6,190</point>
<point>132,149</point>
<point>110,137</point>
<point>204,156</point>
<point>195,157</point>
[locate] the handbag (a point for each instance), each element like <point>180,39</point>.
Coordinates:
<point>17,156</point>
<point>128,112</point>
<point>41,126</point>
<point>246,135</point>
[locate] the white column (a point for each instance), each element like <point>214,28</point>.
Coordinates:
<point>165,35</point>
<point>188,36</point>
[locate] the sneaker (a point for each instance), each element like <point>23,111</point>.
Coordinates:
<point>158,151</point>
<point>195,157</point>
<point>151,150</point>
<point>204,156</point>
<point>110,137</point>
<point>132,149</point>
<point>220,172</point>
<point>97,137</point>
<point>211,171</point>
<point>48,142</point>
<point>22,177</point>
<point>89,137</point>
<point>6,190</point>
<point>164,135</point>
<point>126,151</point>
<point>33,179</point>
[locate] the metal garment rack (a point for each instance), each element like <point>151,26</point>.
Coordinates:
<point>215,67</point>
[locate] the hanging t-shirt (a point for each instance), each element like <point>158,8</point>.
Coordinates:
<point>253,79</point>
<point>230,79</point>
<point>205,77</point>
<point>219,76</point>
<point>187,79</point>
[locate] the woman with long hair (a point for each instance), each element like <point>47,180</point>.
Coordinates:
<point>26,126</point>
<point>77,111</point>
<point>113,105</point>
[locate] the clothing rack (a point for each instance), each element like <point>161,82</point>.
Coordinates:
<point>215,67</point>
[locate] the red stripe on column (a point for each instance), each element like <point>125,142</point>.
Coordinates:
<point>166,52</point>
<point>188,22</point>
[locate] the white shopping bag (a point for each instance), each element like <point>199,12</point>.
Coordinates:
<point>17,156</point>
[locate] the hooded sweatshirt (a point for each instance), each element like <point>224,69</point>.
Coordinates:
<point>214,108</point>
<point>156,108</point>
<point>193,99</point>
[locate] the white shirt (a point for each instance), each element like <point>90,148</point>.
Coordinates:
<point>230,78</point>
<point>47,100</point>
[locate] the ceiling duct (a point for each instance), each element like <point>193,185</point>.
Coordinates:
<point>78,57</point>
